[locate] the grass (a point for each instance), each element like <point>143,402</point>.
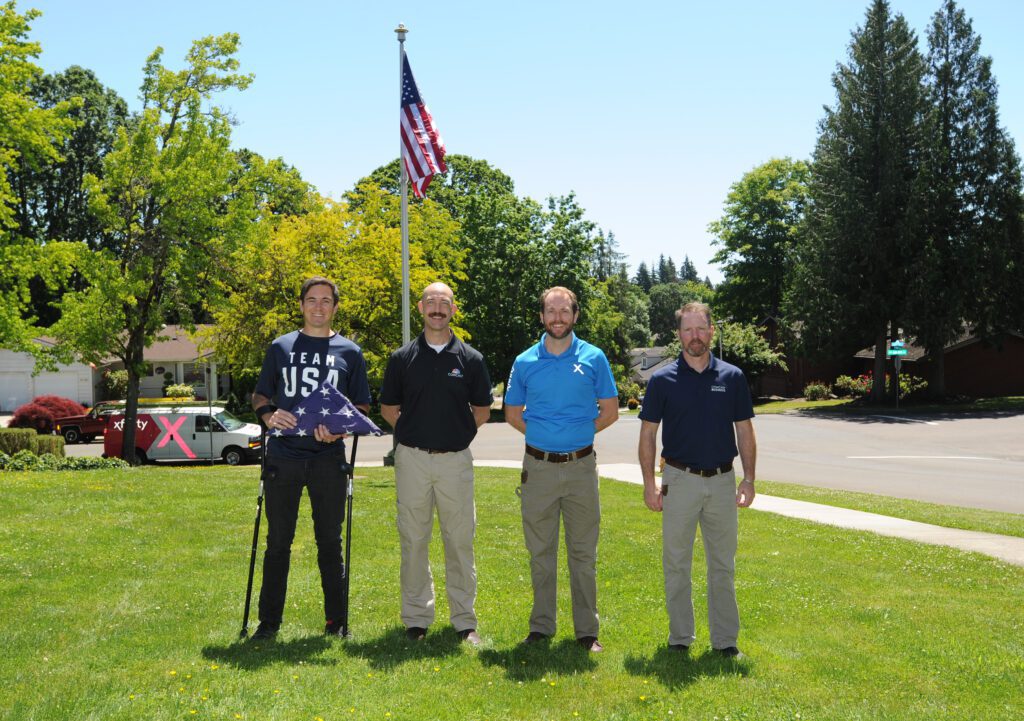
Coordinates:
<point>1006,404</point>
<point>122,597</point>
<point>968,519</point>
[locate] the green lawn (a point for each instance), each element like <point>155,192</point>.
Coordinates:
<point>122,591</point>
<point>969,519</point>
<point>1007,404</point>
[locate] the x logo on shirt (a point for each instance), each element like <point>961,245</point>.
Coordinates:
<point>578,368</point>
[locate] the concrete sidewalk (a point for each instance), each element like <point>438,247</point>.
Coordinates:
<point>1005,548</point>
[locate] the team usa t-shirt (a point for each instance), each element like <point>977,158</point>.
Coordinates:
<point>295,366</point>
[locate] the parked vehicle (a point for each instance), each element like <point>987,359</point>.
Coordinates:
<point>85,428</point>
<point>186,433</point>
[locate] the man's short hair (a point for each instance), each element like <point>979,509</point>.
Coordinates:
<point>694,307</point>
<point>560,289</point>
<point>319,280</point>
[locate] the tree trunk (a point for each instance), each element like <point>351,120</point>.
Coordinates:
<point>133,361</point>
<point>877,396</point>
<point>937,374</point>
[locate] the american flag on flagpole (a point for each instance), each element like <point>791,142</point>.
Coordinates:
<point>422,147</point>
<point>329,406</point>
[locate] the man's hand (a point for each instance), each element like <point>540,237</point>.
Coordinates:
<point>652,497</point>
<point>745,493</point>
<point>325,436</point>
<point>281,419</point>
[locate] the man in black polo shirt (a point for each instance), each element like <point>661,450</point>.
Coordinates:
<point>436,393</point>
<point>706,406</point>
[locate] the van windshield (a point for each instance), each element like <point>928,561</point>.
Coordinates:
<point>228,421</point>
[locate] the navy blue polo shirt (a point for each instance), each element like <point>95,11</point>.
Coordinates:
<point>295,366</point>
<point>560,393</point>
<point>698,411</point>
<point>435,391</point>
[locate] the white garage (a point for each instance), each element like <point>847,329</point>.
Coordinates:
<point>18,386</point>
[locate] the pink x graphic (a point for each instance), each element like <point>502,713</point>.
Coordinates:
<point>172,432</point>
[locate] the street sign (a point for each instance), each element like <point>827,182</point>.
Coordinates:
<point>896,352</point>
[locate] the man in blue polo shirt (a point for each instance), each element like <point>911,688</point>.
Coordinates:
<point>706,406</point>
<point>560,393</point>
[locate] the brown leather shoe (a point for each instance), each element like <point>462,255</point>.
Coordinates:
<point>590,643</point>
<point>470,636</point>
<point>415,633</point>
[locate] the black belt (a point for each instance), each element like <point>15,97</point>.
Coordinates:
<point>431,451</point>
<point>704,472</point>
<point>559,457</point>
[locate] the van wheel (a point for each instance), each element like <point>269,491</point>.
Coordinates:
<point>71,435</point>
<point>140,456</point>
<point>233,456</point>
<point>88,439</point>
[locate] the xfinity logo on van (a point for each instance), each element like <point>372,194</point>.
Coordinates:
<point>139,423</point>
<point>718,389</point>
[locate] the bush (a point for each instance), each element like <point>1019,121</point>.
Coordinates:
<point>628,390</point>
<point>40,413</point>
<point>632,404</point>
<point>28,461</point>
<point>13,440</point>
<point>53,445</point>
<point>115,384</point>
<point>912,385</point>
<point>816,391</point>
<point>180,390</point>
<point>849,387</point>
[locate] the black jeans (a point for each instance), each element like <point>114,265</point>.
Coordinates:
<point>325,478</point>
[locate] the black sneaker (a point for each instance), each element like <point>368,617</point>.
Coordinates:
<point>415,633</point>
<point>470,636</point>
<point>266,631</point>
<point>679,647</point>
<point>333,628</point>
<point>535,637</point>
<point>730,652</point>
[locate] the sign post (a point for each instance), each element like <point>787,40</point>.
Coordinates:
<point>897,349</point>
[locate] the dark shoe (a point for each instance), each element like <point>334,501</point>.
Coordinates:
<point>536,637</point>
<point>590,643</point>
<point>679,647</point>
<point>415,633</point>
<point>265,631</point>
<point>333,628</point>
<point>470,636</point>
<point>730,652</point>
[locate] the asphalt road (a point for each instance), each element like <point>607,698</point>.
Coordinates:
<point>975,461</point>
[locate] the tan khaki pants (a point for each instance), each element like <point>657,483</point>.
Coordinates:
<point>569,491</point>
<point>711,502</point>
<point>424,481</point>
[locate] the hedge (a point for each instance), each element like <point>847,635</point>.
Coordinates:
<point>13,440</point>
<point>53,445</point>
<point>28,461</point>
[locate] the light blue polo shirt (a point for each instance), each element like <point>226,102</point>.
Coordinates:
<point>560,393</point>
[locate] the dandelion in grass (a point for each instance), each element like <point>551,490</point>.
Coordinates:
<point>277,690</point>
<point>172,672</point>
<point>214,667</point>
<point>643,698</point>
<point>436,669</point>
<point>552,683</point>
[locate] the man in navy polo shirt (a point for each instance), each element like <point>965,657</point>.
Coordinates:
<point>436,393</point>
<point>296,365</point>
<point>706,406</point>
<point>560,393</point>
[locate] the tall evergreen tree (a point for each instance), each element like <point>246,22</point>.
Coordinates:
<point>688,271</point>
<point>850,279</point>
<point>643,278</point>
<point>964,187</point>
<point>666,270</point>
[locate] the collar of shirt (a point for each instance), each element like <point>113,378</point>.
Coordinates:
<point>572,350</point>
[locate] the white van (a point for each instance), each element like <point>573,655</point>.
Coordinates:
<point>182,433</point>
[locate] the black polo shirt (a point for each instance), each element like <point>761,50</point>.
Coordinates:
<point>435,391</point>
<point>698,411</point>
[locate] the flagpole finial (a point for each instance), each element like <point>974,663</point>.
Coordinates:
<point>401,30</point>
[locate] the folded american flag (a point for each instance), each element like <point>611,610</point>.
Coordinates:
<point>329,406</point>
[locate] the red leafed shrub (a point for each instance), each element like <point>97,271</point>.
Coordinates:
<point>41,412</point>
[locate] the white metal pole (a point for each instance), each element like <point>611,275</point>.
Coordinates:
<point>401,30</point>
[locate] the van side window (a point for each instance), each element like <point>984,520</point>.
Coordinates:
<point>203,424</point>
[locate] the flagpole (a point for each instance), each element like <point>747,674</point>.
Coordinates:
<point>401,30</point>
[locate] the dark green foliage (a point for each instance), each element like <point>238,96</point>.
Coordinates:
<point>27,461</point>
<point>816,391</point>
<point>643,278</point>
<point>666,299</point>
<point>52,445</point>
<point>13,440</point>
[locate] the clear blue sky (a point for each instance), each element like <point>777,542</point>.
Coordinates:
<point>649,111</point>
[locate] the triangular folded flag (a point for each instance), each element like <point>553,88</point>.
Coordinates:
<point>329,406</point>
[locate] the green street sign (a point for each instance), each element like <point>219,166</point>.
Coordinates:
<point>896,351</point>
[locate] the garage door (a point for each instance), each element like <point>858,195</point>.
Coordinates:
<point>14,390</point>
<point>64,385</point>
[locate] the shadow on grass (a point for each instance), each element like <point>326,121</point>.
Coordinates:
<point>250,655</point>
<point>393,648</point>
<point>534,661</point>
<point>676,670</point>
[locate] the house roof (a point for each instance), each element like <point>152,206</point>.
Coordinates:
<point>174,344</point>
<point>916,352</point>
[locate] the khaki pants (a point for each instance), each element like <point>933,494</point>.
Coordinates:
<point>424,481</point>
<point>551,491</point>
<point>711,502</point>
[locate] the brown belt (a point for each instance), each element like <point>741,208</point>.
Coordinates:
<point>704,472</point>
<point>559,457</point>
<point>431,451</point>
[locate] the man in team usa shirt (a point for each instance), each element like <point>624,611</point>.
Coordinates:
<point>295,365</point>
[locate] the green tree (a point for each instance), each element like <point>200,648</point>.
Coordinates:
<point>30,137</point>
<point>161,202</point>
<point>757,234</point>
<point>742,345</point>
<point>850,277</point>
<point>666,299</point>
<point>687,270</point>
<point>666,272</point>
<point>643,278</point>
<point>962,194</point>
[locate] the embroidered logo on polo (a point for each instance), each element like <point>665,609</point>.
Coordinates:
<point>578,368</point>
<point>455,373</point>
<point>718,389</point>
